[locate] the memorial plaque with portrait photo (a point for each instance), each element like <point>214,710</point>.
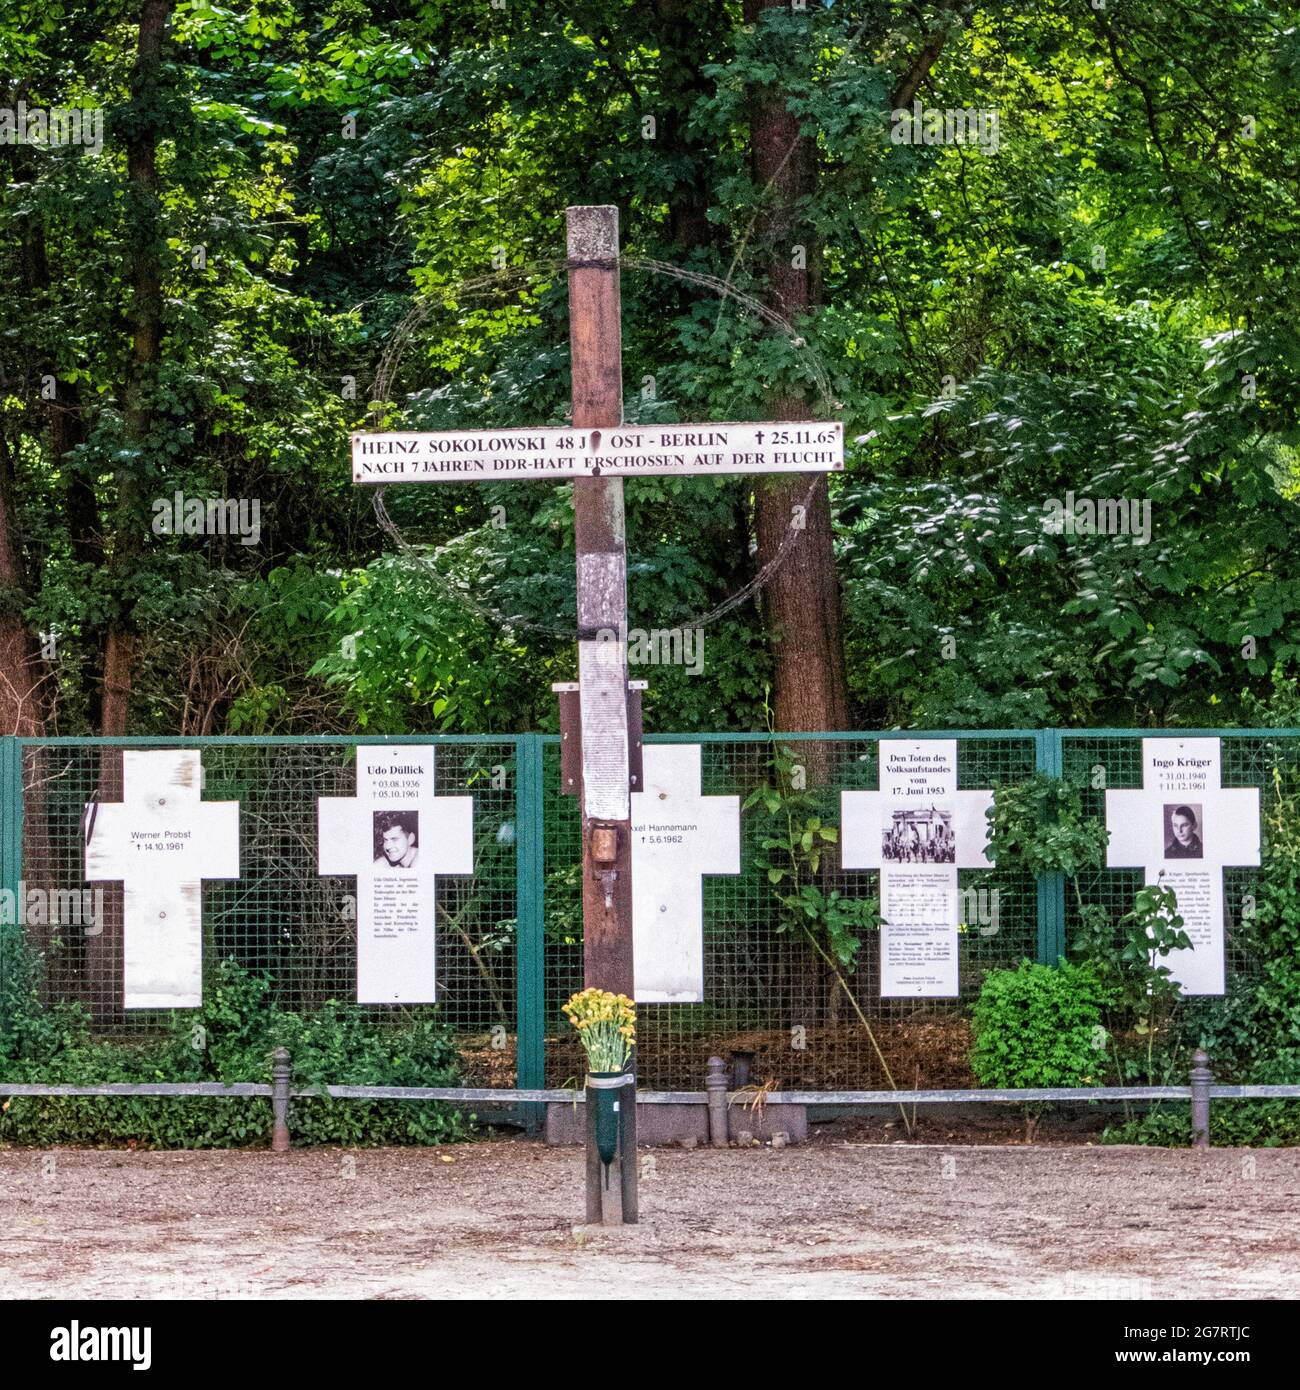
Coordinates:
<point>1162,828</point>
<point>1183,830</point>
<point>396,873</point>
<point>396,840</point>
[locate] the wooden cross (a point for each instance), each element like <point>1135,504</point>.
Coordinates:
<point>597,449</point>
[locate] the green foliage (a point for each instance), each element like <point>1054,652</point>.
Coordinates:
<point>793,838</point>
<point>1105,307</point>
<point>562,919</point>
<point>229,1039</point>
<point>29,1030</point>
<point>1141,995</point>
<point>1036,1027</point>
<point>1128,963</point>
<point>1233,1124</point>
<point>1038,827</point>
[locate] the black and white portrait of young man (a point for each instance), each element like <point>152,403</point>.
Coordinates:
<point>397,835</point>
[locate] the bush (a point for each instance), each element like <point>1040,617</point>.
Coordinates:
<point>1233,1123</point>
<point>229,1039</point>
<point>1035,1026</point>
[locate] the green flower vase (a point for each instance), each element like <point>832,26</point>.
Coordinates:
<point>607,1088</point>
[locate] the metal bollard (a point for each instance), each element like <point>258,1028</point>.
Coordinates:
<point>628,1172</point>
<point>281,1080</point>
<point>715,1084</point>
<point>1201,1081</point>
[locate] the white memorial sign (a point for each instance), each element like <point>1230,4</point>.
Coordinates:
<point>622,451</point>
<point>918,830</point>
<point>161,841</point>
<point>677,836</point>
<point>1184,829</point>
<point>602,680</point>
<point>395,836</point>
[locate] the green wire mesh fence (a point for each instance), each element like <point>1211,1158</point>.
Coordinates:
<point>509,937</point>
<point>281,918</point>
<point>768,990</point>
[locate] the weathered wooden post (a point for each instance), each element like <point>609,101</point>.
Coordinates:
<point>596,355</point>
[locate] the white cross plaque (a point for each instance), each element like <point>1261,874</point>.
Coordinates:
<point>918,830</point>
<point>677,836</point>
<point>162,840</point>
<point>1184,829</point>
<point>395,836</point>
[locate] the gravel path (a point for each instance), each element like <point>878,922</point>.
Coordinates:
<point>501,1219</point>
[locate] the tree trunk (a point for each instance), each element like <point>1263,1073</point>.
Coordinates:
<point>138,413</point>
<point>681,29</point>
<point>801,600</point>
<point>21,669</point>
<point>67,430</point>
<point>22,672</point>
<point>104,956</point>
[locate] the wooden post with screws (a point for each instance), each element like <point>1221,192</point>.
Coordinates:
<point>596,353</point>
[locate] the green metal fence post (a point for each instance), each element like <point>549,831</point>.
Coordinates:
<point>530,1039</point>
<point>11,854</point>
<point>1051,887</point>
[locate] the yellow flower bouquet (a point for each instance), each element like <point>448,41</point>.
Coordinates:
<point>606,1025</point>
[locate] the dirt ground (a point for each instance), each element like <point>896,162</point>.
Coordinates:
<point>926,1049</point>
<point>841,1217</point>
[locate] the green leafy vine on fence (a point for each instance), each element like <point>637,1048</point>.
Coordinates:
<point>791,854</point>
